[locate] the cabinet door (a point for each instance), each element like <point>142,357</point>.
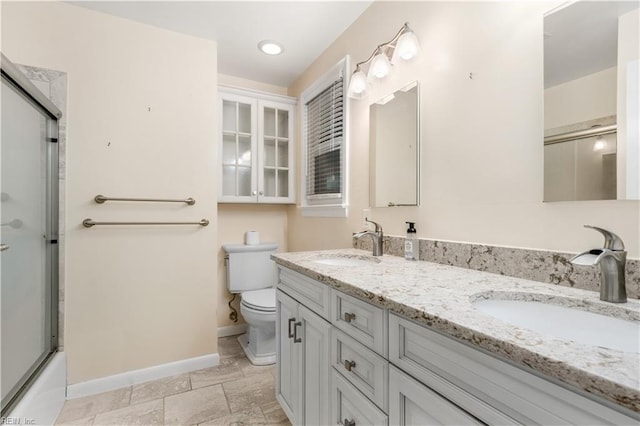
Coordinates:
<point>412,403</point>
<point>275,152</point>
<point>288,377</point>
<point>238,149</point>
<point>350,408</point>
<point>315,367</point>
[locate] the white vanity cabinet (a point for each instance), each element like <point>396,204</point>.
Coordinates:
<point>359,364</point>
<point>489,388</point>
<point>413,403</point>
<point>256,147</point>
<point>303,347</point>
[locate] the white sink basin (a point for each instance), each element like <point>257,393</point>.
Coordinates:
<point>566,323</point>
<point>347,261</point>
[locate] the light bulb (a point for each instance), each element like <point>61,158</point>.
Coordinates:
<point>407,47</point>
<point>600,144</point>
<point>358,84</point>
<point>380,66</point>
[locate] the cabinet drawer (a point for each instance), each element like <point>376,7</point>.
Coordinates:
<point>366,370</point>
<point>350,408</point>
<point>311,293</point>
<point>361,320</point>
<point>412,403</point>
<point>492,390</point>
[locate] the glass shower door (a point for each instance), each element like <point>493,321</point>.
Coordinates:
<point>28,260</point>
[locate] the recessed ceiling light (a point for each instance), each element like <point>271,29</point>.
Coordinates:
<point>270,47</point>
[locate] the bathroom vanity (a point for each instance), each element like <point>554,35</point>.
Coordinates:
<point>382,341</point>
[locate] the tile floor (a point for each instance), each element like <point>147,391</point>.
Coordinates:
<point>232,393</point>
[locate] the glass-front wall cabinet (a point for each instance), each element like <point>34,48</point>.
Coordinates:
<point>257,149</point>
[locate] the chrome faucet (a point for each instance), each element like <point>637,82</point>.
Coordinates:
<point>612,259</point>
<point>377,236</point>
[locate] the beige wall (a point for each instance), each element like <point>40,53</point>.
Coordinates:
<point>482,156</point>
<point>141,123</point>
<point>236,219</point>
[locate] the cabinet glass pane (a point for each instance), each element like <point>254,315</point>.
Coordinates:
<point>283,154</point>
<point>269,122</point>
<point>228,180</point>
<point>270,183</point>
<point>229,116</point>
<point>283,124</point>
<point>244,118</point>
<point>244,150</point>
<point>283,183</point>
<point>228,149</point>
<point>244,181</point>
<point>269,152</point>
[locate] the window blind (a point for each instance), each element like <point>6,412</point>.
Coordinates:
<point>324,134</point>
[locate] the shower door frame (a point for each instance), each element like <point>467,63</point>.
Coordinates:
<point>13,77</point>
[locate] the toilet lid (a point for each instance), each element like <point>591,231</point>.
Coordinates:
<point>261,300</point>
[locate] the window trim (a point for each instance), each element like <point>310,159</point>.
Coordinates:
<point>324,205</point>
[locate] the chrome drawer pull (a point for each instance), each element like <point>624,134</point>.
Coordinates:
<point>349,364</point>
<point>348,422</point>
<point>291,320</point>
<point>348,316</point>
<point>296,339</point>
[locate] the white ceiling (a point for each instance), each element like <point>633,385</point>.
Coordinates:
<point>304,28</point>
<point>582,39</point>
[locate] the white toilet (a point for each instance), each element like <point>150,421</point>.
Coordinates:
<point>252,273</point>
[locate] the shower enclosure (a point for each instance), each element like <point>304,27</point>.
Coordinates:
<point>29,232</point>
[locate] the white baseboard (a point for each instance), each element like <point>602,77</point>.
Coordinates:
<point>232,330</point>
<point>117,381</point>
<point>43,401</point>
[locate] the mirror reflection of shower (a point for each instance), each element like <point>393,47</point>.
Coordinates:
<point>581,169</point>
<point>589,49</point>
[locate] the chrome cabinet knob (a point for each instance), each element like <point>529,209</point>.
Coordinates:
<point>4,247</point>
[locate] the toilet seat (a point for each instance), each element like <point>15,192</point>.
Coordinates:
<point>260,300</point>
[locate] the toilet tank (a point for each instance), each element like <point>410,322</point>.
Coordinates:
<point>249,267</point>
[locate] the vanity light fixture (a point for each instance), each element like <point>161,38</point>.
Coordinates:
<point>404,46</point>
<point>269,47</point>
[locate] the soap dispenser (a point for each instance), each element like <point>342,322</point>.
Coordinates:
<point>411,243</point>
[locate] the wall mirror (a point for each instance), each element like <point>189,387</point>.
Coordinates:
<point>591,101</point>
<point>394,141</point>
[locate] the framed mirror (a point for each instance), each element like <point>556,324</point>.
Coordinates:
<point>591,53</point>
<point>394,141</point>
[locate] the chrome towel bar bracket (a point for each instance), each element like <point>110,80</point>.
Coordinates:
<point>88,223</point>
<point>100,199</point>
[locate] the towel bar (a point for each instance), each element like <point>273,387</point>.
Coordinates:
<point>100,199</point>
<point>88,223</point>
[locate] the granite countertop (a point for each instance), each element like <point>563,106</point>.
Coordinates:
<point>441,297</point>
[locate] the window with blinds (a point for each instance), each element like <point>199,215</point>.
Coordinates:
<point>324,135</point>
